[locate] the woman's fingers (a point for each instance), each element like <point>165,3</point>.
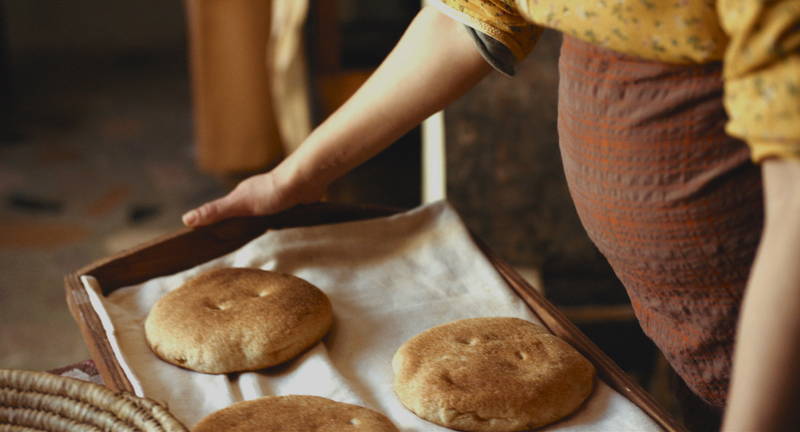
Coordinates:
<point>229,206</point>
<point>257,195</point>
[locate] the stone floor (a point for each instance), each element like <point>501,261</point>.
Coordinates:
<point>98,160</point>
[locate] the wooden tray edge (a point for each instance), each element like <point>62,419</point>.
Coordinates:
<point>124,269</point>
<point>157,257</point>
<point>561,326</point>
<point>89,325</point>
<point>230,235</point>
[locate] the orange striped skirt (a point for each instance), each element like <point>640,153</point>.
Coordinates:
<point>672,201</point>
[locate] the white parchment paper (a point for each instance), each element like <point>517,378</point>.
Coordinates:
<point>388,279</point>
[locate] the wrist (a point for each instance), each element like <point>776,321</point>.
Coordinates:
<point>295,180</point>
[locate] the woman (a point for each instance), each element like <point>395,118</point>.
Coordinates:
<point>663,177</point>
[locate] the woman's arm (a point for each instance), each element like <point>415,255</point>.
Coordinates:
<point>765,389</point>
<point>434,63</point>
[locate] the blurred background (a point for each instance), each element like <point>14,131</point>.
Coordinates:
<point>116,117</point>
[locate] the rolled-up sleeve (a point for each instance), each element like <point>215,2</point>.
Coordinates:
<point>762,75</point>
<point>498,19</point>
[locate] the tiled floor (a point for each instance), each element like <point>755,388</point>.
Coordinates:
<point>104,161</point>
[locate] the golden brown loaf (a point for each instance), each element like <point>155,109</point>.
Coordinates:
<point>294,414</point>
<point>237,319</point>
<point>491,374</point>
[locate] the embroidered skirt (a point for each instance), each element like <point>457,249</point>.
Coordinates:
<point>672,201</point>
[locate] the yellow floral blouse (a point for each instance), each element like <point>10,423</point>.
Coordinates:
<point>758,40</point>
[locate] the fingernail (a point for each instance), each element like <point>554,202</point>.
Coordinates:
<point>189,218</point>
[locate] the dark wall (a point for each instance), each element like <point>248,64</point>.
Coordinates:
<point>46,27</point>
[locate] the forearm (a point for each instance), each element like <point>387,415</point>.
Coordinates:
<point>433,63</point>
<point>766,378</point>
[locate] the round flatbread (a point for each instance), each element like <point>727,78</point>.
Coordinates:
<point>294,414</point>
<point>237,319</point>
<point>491,374</point>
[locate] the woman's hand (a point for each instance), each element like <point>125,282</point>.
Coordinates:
<point>258,195</point>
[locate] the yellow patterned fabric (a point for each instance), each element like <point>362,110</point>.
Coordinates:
<point>672,31</point>
<point>762,74</point>
<point>496,18</point>
<point>759,41</point>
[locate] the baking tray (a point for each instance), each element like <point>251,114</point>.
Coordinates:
<point>188,248</point>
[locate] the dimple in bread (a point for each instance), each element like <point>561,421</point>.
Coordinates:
<point>237,319</point>
<point>491,375</point>
<point>294,414</point>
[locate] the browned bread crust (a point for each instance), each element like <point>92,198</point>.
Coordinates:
<point>294,414</point>
<point>237,319</point>
<point>491,374</point>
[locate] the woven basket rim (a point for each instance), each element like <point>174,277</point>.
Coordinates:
<point>47,402</point>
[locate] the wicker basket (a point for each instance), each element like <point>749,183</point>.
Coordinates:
<point>38,401</point>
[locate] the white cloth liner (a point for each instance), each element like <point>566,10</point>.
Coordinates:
<point>388,279</point>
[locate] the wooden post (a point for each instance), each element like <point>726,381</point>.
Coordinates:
<point>235,127</point>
